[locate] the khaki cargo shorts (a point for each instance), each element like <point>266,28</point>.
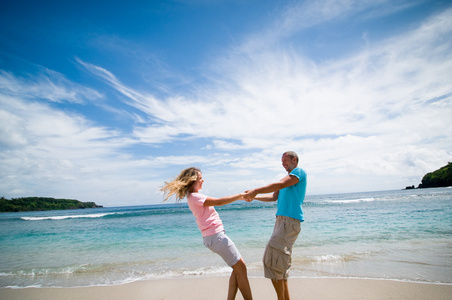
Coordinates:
<point>278,253</point>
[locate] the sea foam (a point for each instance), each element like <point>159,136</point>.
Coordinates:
<point>66,217</point>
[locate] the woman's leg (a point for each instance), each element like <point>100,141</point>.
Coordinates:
<point>233,287</point>
<point>223,246</point>
<point>240,272</point>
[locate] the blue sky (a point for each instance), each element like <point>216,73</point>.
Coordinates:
<point>103,101</point>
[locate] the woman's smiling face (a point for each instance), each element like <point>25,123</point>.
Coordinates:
<point>198,183</point>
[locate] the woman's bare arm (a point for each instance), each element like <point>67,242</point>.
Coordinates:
<point>210,201</point>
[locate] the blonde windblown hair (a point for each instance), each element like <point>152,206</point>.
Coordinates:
<point>181,185</point>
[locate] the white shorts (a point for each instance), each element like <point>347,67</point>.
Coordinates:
<point>221,244</point>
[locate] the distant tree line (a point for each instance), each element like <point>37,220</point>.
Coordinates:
<point>42,203</point>
<point>439,178</point>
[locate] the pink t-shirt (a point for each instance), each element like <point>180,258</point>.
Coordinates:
<point>207,218</point>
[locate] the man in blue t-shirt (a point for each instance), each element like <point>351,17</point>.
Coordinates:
<point>289,192</point>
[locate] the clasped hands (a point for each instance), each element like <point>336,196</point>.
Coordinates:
<point>248,195</point>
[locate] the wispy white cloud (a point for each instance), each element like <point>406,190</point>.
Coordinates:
<point>376,118</point>
<point>382,111</point>
<point>45,151</point>
<point>279,95</point>
<point>48,85</point>
<point>298,16</point>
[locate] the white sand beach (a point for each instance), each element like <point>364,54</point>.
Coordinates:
<point>215,288</point>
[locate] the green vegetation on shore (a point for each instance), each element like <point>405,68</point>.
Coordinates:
<point>439,178</point>
<point>42,203</point>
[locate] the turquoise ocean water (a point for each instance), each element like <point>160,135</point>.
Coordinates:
<point>402,235</point>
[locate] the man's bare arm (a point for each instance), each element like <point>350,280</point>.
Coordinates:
<point>267,197</point>
<point>289,180</point>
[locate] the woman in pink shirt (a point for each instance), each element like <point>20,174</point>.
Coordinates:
<point>187,184</point>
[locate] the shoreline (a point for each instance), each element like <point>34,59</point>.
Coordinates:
<point>215,288</point>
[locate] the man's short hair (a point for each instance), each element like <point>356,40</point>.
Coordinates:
<point>291,154</point>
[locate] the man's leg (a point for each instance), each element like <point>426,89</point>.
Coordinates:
<point>282,289</point>
<point>282,235</point>
<point>286,290</point>
<point>279,289</point>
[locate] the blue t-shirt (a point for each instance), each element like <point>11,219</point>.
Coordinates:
<point>290,199</point>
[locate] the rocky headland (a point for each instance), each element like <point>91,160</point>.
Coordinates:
<point>439,178</point>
